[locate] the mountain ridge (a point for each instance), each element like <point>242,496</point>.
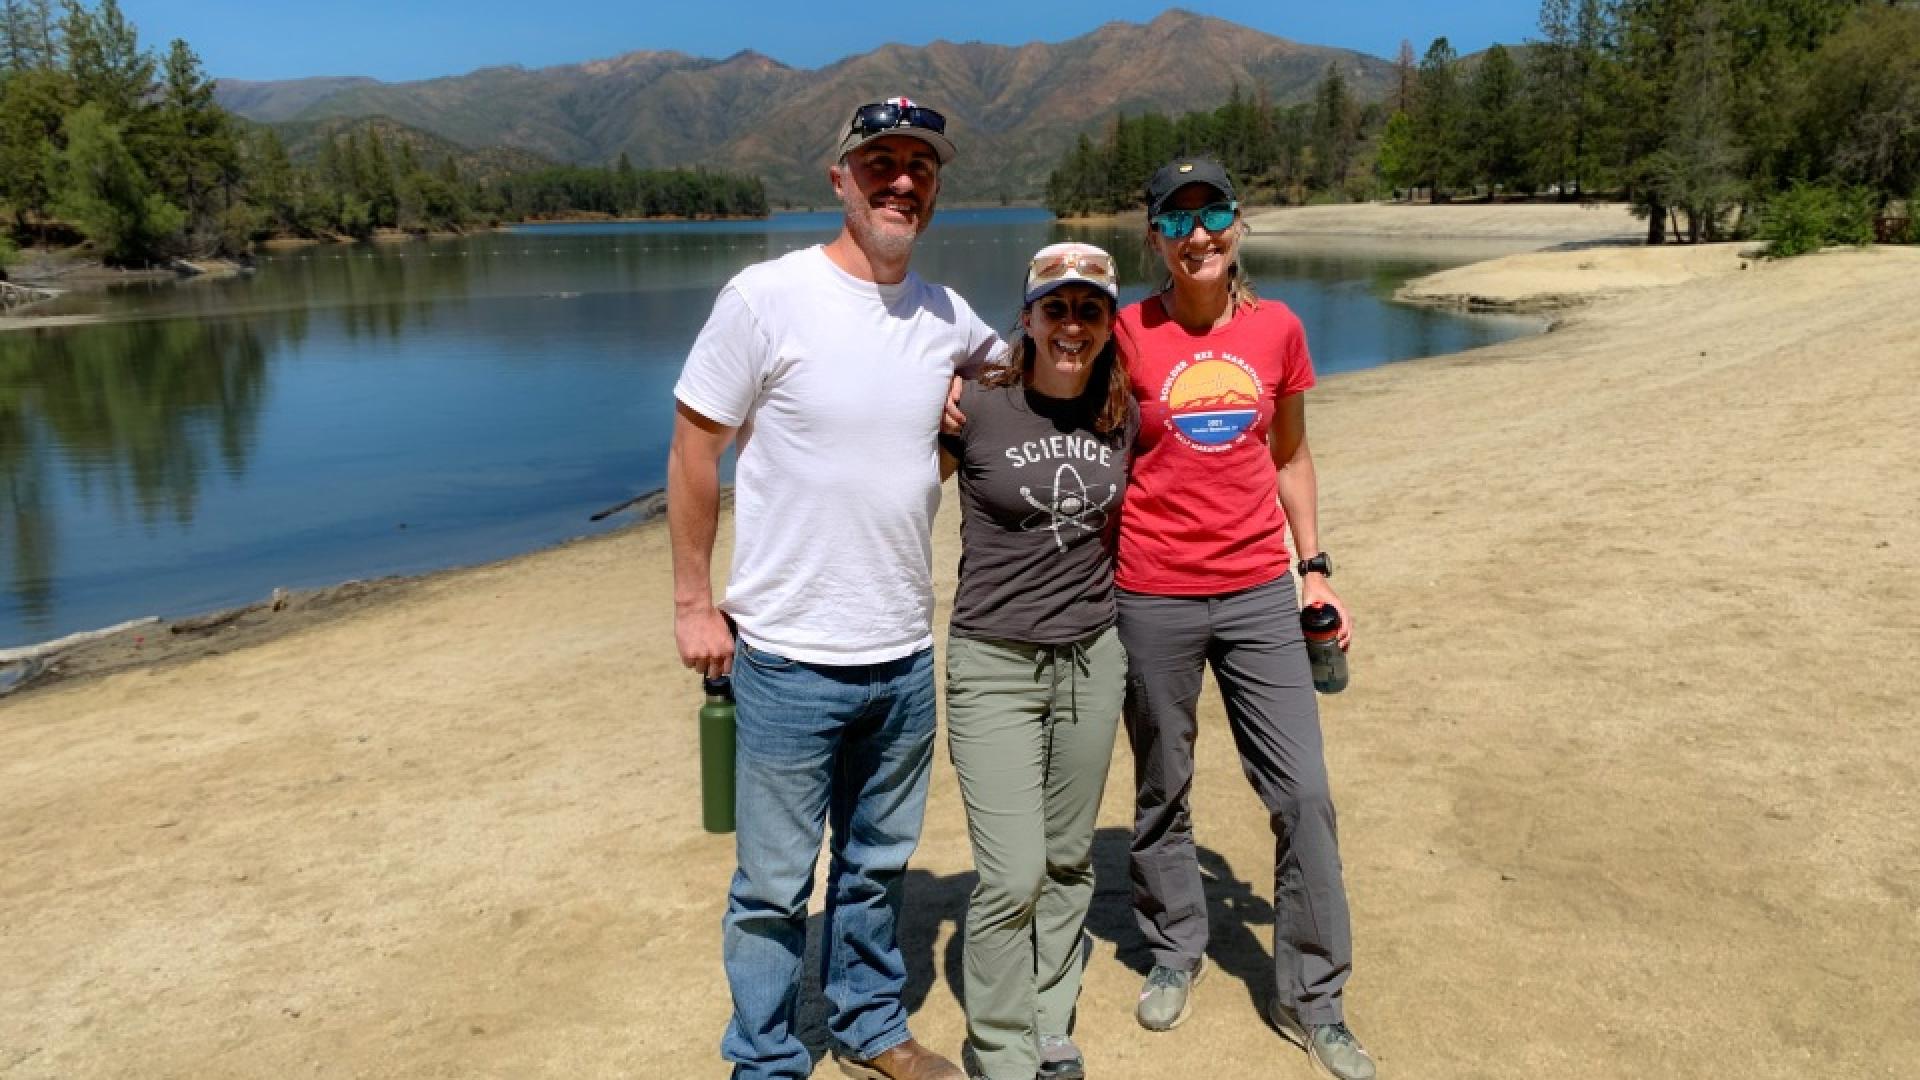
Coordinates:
<point>1013,109</point>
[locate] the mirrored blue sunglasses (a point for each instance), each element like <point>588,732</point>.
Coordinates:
<point>1177,224</point>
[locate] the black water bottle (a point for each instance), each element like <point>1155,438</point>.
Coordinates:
<point>1321,624</point>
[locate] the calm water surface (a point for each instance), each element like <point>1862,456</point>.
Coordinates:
<point>353,412</point>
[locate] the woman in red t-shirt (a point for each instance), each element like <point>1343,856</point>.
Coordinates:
<point>1220,473</point>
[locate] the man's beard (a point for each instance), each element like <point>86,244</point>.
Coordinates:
<point>878,242</point>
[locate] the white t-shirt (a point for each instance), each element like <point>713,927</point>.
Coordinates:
<point>837,387</point>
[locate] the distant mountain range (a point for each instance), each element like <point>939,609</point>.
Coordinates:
<point>1014,110</point>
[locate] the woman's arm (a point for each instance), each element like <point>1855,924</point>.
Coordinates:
<point>1300,500</point>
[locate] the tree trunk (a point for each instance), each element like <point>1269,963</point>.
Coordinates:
<point>1656,223</point>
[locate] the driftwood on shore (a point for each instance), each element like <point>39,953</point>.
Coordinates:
<point>14,296</point>
<point>114,648</point>
<point>649,505</point>
<point>48,648</point>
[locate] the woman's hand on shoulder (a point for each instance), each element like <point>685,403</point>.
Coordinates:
<point>1316,589</point>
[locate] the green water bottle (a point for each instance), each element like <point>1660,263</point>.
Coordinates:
<point>716,756</point>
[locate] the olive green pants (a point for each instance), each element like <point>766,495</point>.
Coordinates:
<point>1031,729</point>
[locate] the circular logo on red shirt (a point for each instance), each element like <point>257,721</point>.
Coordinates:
<point>1212,400</point>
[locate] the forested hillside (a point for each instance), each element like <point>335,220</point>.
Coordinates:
<point>1798,120</point>
<point>104,140</point>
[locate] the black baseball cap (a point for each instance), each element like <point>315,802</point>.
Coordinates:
<point>1180,172</point>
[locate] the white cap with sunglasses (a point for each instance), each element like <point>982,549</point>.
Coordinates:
<point>1071,263</point>
<point>897,116</point>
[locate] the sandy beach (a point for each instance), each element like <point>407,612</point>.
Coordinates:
<point>1452,231</point>
<point>1627,774</point>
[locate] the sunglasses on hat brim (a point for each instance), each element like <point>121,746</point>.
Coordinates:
<point>887,116</point>
<point>1097,269</point>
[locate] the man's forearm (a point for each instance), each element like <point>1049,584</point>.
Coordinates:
<point>693,521</point>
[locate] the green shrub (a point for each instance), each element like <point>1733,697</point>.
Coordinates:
<point>6,253</point>
<point>1808,217</point>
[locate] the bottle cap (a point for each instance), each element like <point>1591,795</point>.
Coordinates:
<point>1320,620</point>
<point>721,687</point>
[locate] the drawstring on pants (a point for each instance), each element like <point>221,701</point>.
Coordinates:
<point>1048,658</point>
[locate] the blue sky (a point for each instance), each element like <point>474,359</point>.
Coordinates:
<point>416,39</point>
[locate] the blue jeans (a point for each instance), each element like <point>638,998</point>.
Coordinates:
<point>820,744</point>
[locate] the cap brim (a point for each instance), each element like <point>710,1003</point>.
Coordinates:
<point>1112,291</point>
<point>1161,204</point>
<point>943,147</point>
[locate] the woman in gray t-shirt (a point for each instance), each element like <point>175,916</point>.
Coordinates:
<point>1035,671</point>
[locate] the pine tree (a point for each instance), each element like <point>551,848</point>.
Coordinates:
<point>626,185</point>
<point>195,154</point>
<point>377,182</point>
<point>1437,121</point>
<point>33,104</point>
<point>1648,37</point>
<point>1860,119</point>
<point>99,186</point>
<point>1334,118</point>
<point>106,61</point>
<point>1492,123</point>
<point>26,36</point>
<point>1397,161</point>
<point>271,183</point>
<point>1697,168</point>
<point>14,45</point>
<point>1406,76</point>
<point>1565,102</point>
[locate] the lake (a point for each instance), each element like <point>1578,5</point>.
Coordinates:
<point>357,411</point>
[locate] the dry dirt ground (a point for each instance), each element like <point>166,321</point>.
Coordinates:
<point>1627,774</point>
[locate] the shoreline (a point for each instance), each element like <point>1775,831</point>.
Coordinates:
<point>162,640</point>
<point>1607,716</point>
<point>1499,285</point>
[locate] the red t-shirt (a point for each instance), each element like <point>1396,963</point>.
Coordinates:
<point>1202,511</point>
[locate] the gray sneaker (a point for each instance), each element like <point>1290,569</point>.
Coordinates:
<point>1331,1047</point>
<point>1167,997</point>
<point>1060,1059</point>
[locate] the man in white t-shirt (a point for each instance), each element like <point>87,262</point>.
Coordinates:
<point>831,366</point>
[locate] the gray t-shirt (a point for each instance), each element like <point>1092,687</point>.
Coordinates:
<point>1040,494</point>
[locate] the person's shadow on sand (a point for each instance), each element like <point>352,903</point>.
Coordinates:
<point>931,902</point>
<point>1238,919</point>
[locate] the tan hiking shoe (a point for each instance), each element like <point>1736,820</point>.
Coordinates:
<point>908,1061</point>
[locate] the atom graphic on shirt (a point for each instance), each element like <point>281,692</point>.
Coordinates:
<point>1073,505</point>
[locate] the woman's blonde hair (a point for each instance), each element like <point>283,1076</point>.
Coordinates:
<point>1107,386</point>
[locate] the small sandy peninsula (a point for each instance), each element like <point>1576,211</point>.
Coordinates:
<point>1627,774</point>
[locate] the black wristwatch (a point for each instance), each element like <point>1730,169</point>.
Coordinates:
<point>1319,564</point>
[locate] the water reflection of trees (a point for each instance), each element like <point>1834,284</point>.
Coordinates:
<point>135,413</point>
<point>382,290</point>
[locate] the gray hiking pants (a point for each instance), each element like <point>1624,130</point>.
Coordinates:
<point>1031,728</point>
<point>1252,641</point>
